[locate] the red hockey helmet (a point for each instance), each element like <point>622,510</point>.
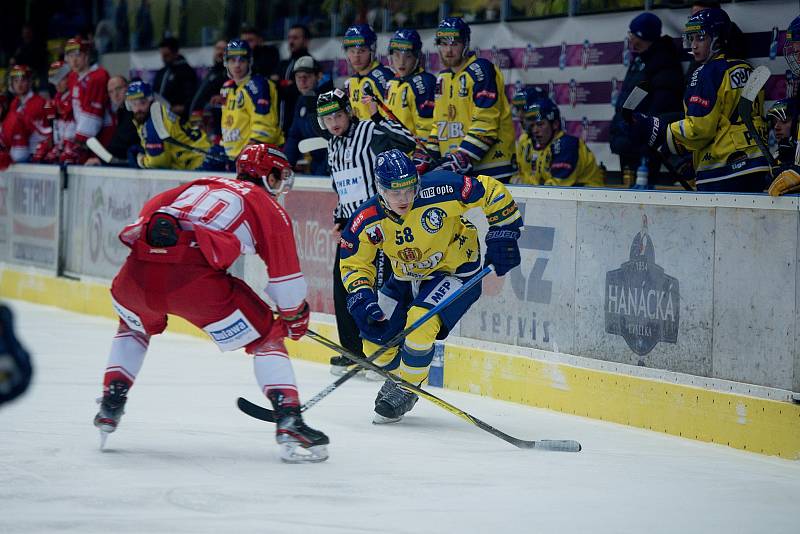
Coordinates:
<point>20,71</point>
<point>258,161</point>
<point>77,44</point>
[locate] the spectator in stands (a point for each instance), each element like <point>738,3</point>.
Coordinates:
<point>265,57</point>
<point>561,159</point>
<point>310,81</point>
<point>782,117</point>
<point>735,46</point>
<point>208,100</point>
<point>25,125</point>
<point>176,82</point>
<point>297,39</point>
<point>656,67</point>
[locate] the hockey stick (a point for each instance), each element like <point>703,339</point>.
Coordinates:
<point>392,117</point>
<point>101,152</point>
<point>311,144</point>
<point>163,134</point>
<point>265,414</point>
<point>628,107</point>
<point>755,83</point>
<point>562,445</point>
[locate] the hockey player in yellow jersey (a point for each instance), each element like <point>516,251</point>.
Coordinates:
<point>472,128</point>
<point>525,152</point>
<point>724,153</point>
<point>561,159</point>
<point>153,120</point>
<point>419,225</point>
<point>785,112</point>
<point>250,112</point>
<point>359,45</point>
<point>409,95</point>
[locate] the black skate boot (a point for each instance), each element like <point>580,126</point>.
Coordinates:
<point>299,443</point>
<point>392,403</point>
<point>112,406</point>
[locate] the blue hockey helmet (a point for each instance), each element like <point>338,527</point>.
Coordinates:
<point>791,46</point>
<point>137,90</point>
<point>711,23</point>
<point>240,49</point>
<point>542,109</point>
<point>405,40</point>
<point>523,96</point>
<point>360,35</point>
<point>394,171</point>
<point>452,30</point>
<point>782,110</point>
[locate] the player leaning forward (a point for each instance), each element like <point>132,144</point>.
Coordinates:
<point>419,224</point>
<point>181,245</point>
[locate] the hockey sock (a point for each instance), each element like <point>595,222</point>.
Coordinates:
<point>415,362</point>
<point>127,354</point>
<point>273,371</point>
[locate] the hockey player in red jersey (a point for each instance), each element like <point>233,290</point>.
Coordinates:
<point>90,104</point>
<point>26,125</point>
<point>59,110</point>
<point>181,245</point>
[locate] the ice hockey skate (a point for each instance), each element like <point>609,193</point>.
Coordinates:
<point>299,443</point>
<point>340,365</point>
<point>112,407</point>
<point>392,403</point>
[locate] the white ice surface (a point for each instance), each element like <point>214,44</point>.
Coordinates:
<point>185,460</point>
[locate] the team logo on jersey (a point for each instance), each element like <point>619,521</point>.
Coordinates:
<point>739,77</point>
<point>409,254</point>
<point>375,234</point>
<point>433,220</point>
<point>451,112</point>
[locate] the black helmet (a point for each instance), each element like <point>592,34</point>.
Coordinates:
<point>331,102</point>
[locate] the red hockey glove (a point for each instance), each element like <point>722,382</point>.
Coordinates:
<point>296,320</point>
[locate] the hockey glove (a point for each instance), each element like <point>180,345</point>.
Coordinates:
<point>216,159</point>
<point>458,162</point>
<point>363,307</point>
<point>296,320</point>
<point>134,151</point>
<point>650,129</point>
<point>422,160</point>
<point>502,249</point>
<point>787,182</point>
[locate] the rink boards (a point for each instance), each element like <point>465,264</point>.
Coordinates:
<point>667,311</point>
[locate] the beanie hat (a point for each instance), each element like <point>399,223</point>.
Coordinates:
<point>646,26</point>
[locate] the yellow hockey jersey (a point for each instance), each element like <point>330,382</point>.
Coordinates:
<point>472,114</point>
<point>526,160</point>
<point>712,130</point>
<point>433,237</point>
<point>566,161</point>
<point>377,79</point>
<point>411,100</point>
<point>159,154</point>
<point>250,114</point>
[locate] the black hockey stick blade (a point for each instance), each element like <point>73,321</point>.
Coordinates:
<point>254,410</point>
<point>549,445</point>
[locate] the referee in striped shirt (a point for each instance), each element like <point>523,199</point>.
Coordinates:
<point>353,147</point>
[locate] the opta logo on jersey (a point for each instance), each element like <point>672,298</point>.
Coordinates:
<point>430,192</point>
<point>433,220</point>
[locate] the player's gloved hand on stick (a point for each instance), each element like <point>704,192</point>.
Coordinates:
<point>134,151</point>
<point>787,181</point>
<point>216,159</point>
<point>296,320</point>
<point>652,130</point>
<point>363,307</point>
<point>502,249</point>
<point>458,161</point>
